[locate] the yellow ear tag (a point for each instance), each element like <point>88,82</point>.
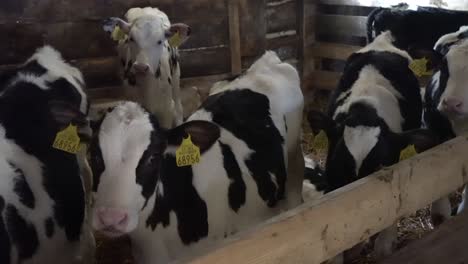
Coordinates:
<point>419,67</point>
<point>67,140</point>
<point>175,40</point>
<point>320,142</point>
<point>408,152</point>
<point>187,154</point>
<point>118,34</point>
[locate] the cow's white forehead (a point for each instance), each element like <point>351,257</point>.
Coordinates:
<point>359,141</point>
<point>125,134</point>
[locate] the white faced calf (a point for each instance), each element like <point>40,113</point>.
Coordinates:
<point>251,166</point>
<point>150,66</point>
<point>446,110</point>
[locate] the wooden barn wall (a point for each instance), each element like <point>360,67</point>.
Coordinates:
<point>74,28</point>
<point>334,30</point>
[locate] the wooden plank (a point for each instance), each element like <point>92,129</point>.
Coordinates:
<point>446,244</point>
<point>234,33</point>
<point>384,3</point>
<point>353,213</point>
<point>276,43</point>
<point>301,35</point>
<point>310,27</point>
<point>53,11</point>
<point>342,25</point>
<point>333,50</point>
<point>205,62</point>
<point>323,80</point>
<point>282,16</point>
<point>252,27</point>
<point>111,92</point>
<point>87,39</point>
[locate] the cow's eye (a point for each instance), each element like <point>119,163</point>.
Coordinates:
<point>160,42</point>
<point>131,39</point>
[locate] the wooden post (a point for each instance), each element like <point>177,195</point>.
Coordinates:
<point>234,35</point>
<point>300,25</point>
<point>319,230</point>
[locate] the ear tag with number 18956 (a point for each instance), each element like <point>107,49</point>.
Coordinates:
<point>67,140</point>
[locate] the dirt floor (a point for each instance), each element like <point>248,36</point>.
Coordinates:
<point>409,228</point>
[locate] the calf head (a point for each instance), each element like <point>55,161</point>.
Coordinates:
<point>360,143</point>
<point>128,159</point>
<point>451,94</point>
<point>145,39</point>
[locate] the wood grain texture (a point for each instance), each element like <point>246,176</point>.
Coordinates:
<point>446,244</point>
<point>234,36</point>
<point>319,230</point>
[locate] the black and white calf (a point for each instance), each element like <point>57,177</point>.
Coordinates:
<point>415,29</point>
<point>150,66</point>
<point>42,196</point>
<point>375,104</point>
<point>251,166</point>
<point>446,108</point>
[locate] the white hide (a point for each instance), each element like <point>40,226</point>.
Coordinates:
<point>124,138</point>
<point>360,141</point>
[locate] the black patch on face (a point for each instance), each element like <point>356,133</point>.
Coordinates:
<point>22,188</point>
<point>61,89</point>
<point>433,118</point>
<point>236,192</point>
<point>34,68</point>
<point>5,247</point>
<point>150,163</point>
<point>22,234</point>
<point>96,161</point>
<point>49,227</point>
<point>285,124</point>
<point>173,60</point>
<point>158,72</point>
<point>180,197</point>
<point>246,114</point>
<point>169,80</point>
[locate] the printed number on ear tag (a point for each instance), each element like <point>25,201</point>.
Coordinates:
<point>320,142</point>
<point>408,152</point>
<point>187,154</point>
<point>419,67</point>
<point>118,34</point>
<point>67,140</point>
<point>175,40</point>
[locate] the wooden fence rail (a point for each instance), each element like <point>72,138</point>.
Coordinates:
<point>319,230</point>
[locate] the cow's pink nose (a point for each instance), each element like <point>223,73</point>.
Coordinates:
<point>113,218</point>
<point>452,104</point>
<point>140,67</point>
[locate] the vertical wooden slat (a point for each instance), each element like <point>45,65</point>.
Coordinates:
<point>300,24</point>
<point>234,35</point>
<point>310,14</point>
<point>253,27</point>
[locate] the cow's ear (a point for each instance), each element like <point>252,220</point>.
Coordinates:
<point>319,121</point>
<point>110,23</point>
<point>422,139</point>
<point>64,114</point>
<point>178,33</point>
<point>433,57</point>
<point>202,133</point>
